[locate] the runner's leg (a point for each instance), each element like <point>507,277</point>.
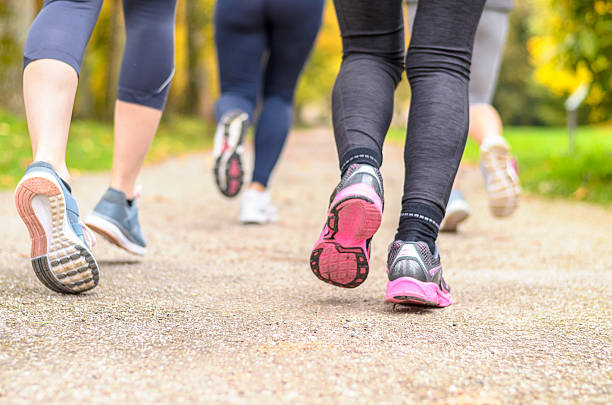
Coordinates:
<point>52,61</point>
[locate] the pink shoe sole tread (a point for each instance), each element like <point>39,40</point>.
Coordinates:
<point>340,256</point>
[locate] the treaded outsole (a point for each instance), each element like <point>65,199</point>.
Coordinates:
<point>62,266</point>
<point>340,264</point>
<point>410,291</point>
<point>233,182</point>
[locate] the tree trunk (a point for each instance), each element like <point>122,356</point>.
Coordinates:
<point>191,101</point>
<point>113,59</point>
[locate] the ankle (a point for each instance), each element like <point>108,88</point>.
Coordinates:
<point>128,190</point>
<point>419,222</point>
<point>59,166</point>
<point>360,156</point>
<point>257,187</point>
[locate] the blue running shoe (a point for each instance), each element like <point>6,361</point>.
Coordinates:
<point>117,221</point>
<point>61,257</point>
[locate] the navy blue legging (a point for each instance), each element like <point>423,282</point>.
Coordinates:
<point>262,46</point>
<point>63,27</point>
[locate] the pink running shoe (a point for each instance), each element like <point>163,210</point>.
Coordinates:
<point>341,255</point>
<point>415,276</point>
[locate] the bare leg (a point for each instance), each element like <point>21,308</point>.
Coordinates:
<point>484,121</point>
<point>49,87</point>
<point>257,187</point>
<point>135,127</point>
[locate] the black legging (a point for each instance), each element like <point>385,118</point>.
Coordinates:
<point>438,68</point>
<point>63,27</point>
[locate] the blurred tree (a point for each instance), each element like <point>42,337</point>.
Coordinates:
<point>15,19</point>
<point>314,89</point>
<point>101,63</point>
<point>573,45</point>
<point>519,99</point>
<point>194,88</point>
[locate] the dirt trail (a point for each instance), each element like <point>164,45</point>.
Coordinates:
<point>217,312</point>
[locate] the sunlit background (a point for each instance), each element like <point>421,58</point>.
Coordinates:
<point>554,49</point>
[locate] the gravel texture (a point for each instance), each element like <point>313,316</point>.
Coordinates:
<point>219,312</point>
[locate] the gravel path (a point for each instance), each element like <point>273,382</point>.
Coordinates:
<point>218,312</point>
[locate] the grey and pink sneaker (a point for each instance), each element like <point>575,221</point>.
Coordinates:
<point>341,255</point>
<point>415,276</point>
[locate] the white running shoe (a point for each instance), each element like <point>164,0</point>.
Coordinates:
<point>457,211</point>
<point>255,208</point>
<point>500,174</point>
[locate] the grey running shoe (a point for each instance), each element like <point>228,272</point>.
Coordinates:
<point>500,174</point>
<point>457,211</point>
<point>117,221</point>
<point>415,276</point>
<point>228,150</point>
<point>61,257</point>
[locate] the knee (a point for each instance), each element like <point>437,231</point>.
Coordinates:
<point>426,61</point>
<point>369,63</point>
<point>148,61</point>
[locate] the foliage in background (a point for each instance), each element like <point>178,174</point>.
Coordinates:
<point>15,19</point>
<point>573,45</point>
<point>519,99</point>
<point>314,89</point>
<point>576,34</point>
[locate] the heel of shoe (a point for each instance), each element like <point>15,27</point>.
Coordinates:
<point>410,291</point>
<point>338,265</point>
<point>354,219</point>
<point>59,258</point>
<point>24,195</point>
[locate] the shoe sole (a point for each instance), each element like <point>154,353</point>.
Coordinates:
<point>410,291</point>
<point>228,170</point>
<point>59,258</point>
<point>453,219</point>
<point>113,234</point>
<point>503,187</point>
<point>258,221</point>
<point>339,258</point>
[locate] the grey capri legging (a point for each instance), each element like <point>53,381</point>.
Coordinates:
<point>63,27</point>
<point>487,55</point>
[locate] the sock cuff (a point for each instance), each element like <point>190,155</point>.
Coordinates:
<point>422,212</point>
<point>360,155</point>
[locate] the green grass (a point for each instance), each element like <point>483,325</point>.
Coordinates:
<point>90,146</point>
<point>547,168</point>
<point>545,165</point>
